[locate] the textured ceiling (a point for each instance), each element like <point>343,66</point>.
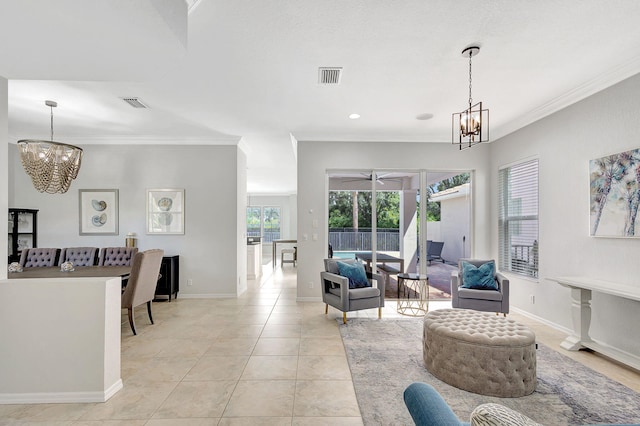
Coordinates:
<point>249,68</point>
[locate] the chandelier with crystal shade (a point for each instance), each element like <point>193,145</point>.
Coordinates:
<point>471,126</point>
<point>51,165</point>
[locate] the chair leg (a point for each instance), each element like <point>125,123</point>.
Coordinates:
<point>326,308</point>
<point>344,317</point>
<point>131,321</point>
<point>149,311</point>
<point>379,313</point>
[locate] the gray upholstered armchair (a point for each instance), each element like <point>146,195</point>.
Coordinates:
<point>79,256</point>
<point>479,299</point>
<point>36,257</point>
<point>336,291</point>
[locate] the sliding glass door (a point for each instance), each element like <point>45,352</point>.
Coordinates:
<point>350,214</point>
<point>415,220</point>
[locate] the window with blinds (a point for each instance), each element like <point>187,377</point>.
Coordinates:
<point>518,218</point>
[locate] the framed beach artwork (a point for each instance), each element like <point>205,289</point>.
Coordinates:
<point>98,211</point>
<point>165,211</point>
<point>615,195</point>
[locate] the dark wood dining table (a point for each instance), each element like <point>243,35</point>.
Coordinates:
<point>78,272</point>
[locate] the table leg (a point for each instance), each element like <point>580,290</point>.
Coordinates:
<point>273,254</point>
<point>581,316</point>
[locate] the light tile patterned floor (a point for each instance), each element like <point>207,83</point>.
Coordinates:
<point>261,359</point>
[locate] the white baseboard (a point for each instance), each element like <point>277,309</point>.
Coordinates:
<point>112,390</point>
<point>542,320</point>
<point>60,397</point>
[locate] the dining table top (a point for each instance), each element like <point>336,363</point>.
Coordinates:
<point>78,272</point>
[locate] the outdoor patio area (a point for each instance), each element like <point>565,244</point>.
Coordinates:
<point>439,282</point>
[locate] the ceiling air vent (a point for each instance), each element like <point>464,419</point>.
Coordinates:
<point>329,75</point>
<point>134,102</point>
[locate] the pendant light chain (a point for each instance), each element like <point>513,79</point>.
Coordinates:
<point>51,106</point>
<point>470,98</point>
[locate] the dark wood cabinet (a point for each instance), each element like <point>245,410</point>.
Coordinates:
<point>23,232</point>
<point>169,282</point>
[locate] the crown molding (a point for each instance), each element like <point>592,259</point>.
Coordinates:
<point>602,81</point>
<point>143,140</point>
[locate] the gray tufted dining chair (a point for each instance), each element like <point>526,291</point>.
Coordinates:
<point>37,257</point>
<point>79,256</point>
<point>117,256</point>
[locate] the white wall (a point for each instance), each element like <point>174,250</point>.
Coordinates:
<point>241,221</point>
<point>454,222</point>
<point>315,158</point>
<point>602,124</point>
<point>4,171</point>
<point>434,231</point>
<point>214,221</point>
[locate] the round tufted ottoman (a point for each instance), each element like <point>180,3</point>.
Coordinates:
<point>480,352</point>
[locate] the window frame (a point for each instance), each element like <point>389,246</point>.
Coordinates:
<point>263,209</point>
<point>526,264</point>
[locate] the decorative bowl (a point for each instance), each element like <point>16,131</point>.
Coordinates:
<point>14,267</point>
<point>67,267</point>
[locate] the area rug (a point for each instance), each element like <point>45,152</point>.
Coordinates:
<point>385,356</point>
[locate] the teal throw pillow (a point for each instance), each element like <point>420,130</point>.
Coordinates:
<point>356,274</point>
<point>481,277</point>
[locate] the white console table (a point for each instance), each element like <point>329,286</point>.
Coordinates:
<point>581,289</point>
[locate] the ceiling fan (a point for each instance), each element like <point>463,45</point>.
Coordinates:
<point>380,178</point>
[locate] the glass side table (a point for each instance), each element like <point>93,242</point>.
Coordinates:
<point>415,294</point>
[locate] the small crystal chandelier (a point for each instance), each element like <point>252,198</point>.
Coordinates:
<point>51,165</point>
<point>471,126</point>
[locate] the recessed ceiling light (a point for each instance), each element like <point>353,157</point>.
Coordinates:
<point>354,116</point>
<point>424,116</point>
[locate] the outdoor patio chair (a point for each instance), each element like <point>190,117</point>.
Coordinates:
<point>434,250</point>
<point>470,295</point>
<point>336,291</point>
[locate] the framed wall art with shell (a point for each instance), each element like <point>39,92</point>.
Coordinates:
<point>165,211</point>
<point>98,211</point>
